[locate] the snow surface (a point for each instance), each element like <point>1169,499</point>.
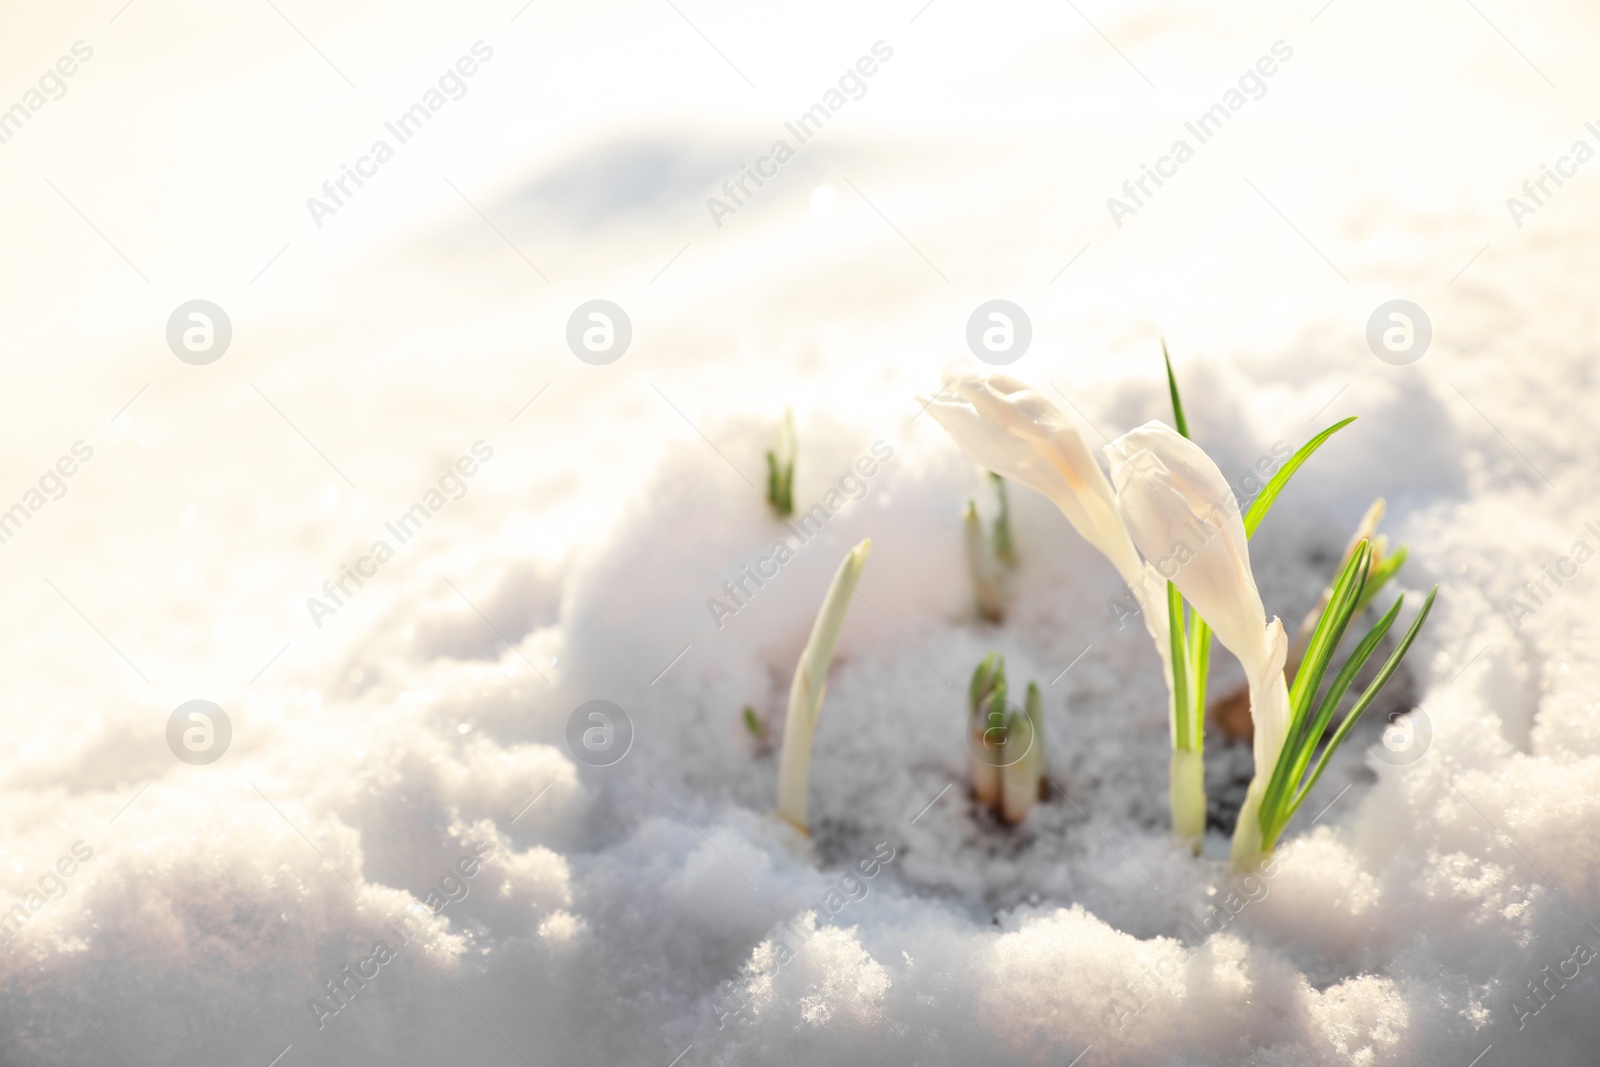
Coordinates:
<point>655,908</point>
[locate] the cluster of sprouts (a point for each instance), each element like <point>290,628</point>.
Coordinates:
<point>1005,743</point>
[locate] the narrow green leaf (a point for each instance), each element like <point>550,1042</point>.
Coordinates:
<point>1004,548</point>
<point>1308,680</point>
<point>983,677</point>
<point>1330,629</point>
<point>1380,576</point>
<point>1179,421</point>
<point>1263,502</point>
<point>780,467</point>
<point>994,705</point>
<point>1199,668</point>
<point>1190,651</point>
<point>1180,669</point>
<point>1341,685</point>
<point>1389,667</point>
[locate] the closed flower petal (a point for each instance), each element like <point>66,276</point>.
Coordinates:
<point>1269,712</point>
<point>1019,434</point>
<point>1184,518</point>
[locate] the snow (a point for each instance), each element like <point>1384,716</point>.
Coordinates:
<point>655,908</point>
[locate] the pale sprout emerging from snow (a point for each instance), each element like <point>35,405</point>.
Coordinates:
<point>988,577</point>
<point>991,557</point>
<point>780,467</point>
<point>805,693</point>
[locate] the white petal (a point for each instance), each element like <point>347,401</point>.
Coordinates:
<point>1269,701</point>
<point>1018,433</point>
<point>1184,518</point>
<point>994,446</point>
<point>1269,709</point>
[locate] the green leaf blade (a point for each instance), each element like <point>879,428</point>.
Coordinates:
<point>1181,423</point>
<point>1385,570</point>
<point>1269,493</point>
<point>1341,685</point>
<point>1390,665</point>
<point>1180,669</point>
<point>1307,682</point>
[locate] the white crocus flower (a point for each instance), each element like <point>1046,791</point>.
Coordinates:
<point>1009,428</point>
<point>1185,519</point>
<point>1016,432</point>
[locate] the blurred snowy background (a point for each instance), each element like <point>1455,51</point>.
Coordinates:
<point>625,912</point>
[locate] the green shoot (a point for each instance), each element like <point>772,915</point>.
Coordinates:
<point>986,701</point>
<point>1182,734</point>
<point>805,693</point>
<point>1295,774</point>
<point>1179,423</point>
<point>1004,549</point>
<point>1269,493</point>
<point>753,724</point>
<point>990,672</point>
<point>780,468</point>
<point>1384,563</point>
<point>1022,758</point>
<point>990,558</point>
<point>1383,567</point>
<point>1382,570</point>
<point>988,580</point>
